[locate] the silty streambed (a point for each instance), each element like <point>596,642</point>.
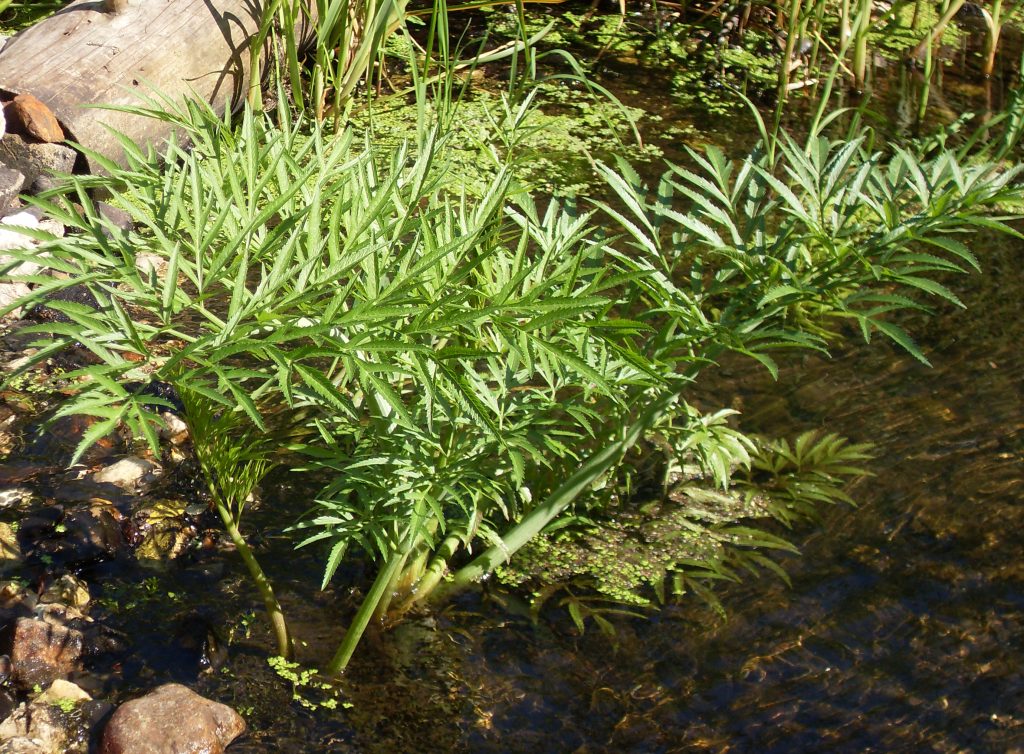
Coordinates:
<point>902,630</point>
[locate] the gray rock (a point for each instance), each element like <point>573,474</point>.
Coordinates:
<point>24,745</point>
<point>42,184</point>
<point>11,238</point>
<point>171,719</point>
<point>64,616</point>
<point>115,215</point>
<point>9,293</point>
<point>11,183</point>
<point>128,472</point>
<point>175,429</point>
<point>42,652</point>
<point>12,496</point>
<point>46,726</point>
<point>35,159</point>
<point>151,264</point>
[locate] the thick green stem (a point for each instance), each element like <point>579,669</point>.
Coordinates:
<point>366,610</point>
<point>845,26</point>
<point>285,647</point>
<point>380,594</point>
<point>926,87</point>
<point>394,586</point>
<point>862,25</point>
<point>408,580</point>
<point>995,25</point>
<point>534,522</point>
<point>792,38</point>
<point>432,575</point>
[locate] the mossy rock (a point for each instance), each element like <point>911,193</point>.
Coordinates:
<point>161,532</point>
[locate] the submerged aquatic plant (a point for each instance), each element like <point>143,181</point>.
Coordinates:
<point>697,533</point>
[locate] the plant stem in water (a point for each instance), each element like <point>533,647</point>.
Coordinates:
<point>535,521</point>
<point>285,646</point>
<point>378,599</point>
<point>936,32</point>
<point>366,610</point>
<point>862,24</point>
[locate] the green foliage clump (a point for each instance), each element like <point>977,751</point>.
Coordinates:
<point>631,554</point>
<point>16,15</point>
<point>467,368</point>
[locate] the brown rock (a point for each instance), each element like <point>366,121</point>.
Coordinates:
<point>171,719</point>
<point>41,652</point>
<point>27,114</point>
<point>92,533</point>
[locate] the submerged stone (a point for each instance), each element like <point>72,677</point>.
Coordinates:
<point>171,719</point>
<point>48,725</point>
<point>89,534</point>
<point>10,550</point>
<point>61,690</point>
<point>160,532</point>
<point>41,652</point>
<point>128,472</point>
<point>13,496</point>
<point>68,590</point>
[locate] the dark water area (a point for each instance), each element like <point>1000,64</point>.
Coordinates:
<point>902,631</point>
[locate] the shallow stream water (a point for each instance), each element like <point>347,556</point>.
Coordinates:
<point>903,629</point>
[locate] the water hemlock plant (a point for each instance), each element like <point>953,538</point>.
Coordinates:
<point>472,371</point>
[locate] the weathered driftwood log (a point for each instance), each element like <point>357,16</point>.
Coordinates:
<point>96,53</point>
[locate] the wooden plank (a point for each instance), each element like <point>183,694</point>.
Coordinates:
<point>85,56</point>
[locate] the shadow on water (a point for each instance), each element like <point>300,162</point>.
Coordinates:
<point>904,627</point>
